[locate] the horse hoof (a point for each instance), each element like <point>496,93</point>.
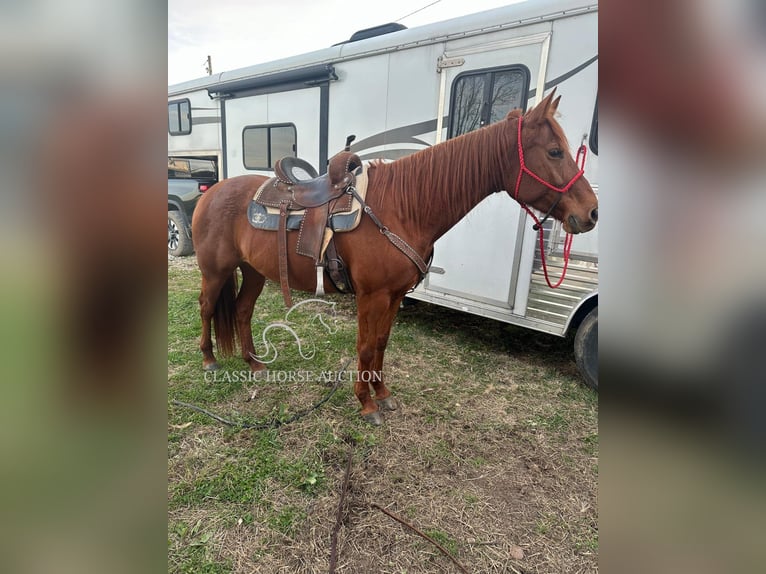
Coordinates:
<point>211,367</point>
<point>257,367</point>
<point>373,418</point>
<point>388,404</point>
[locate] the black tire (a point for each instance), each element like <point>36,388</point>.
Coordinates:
<point>586,349</point>
<point>179,242</point>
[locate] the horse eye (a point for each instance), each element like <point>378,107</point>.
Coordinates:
<point>556,153</point>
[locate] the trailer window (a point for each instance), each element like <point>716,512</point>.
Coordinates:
<point>264,145</point>
<point>179,118</point>
<point>486,96</point>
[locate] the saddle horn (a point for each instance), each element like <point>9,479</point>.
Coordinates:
<point>349,139</point>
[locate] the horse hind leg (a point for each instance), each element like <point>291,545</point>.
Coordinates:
<point>211,288</point>
<point>252,285</point>
<point>215,301</point>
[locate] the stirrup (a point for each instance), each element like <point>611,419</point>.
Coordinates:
<point>320,281</point>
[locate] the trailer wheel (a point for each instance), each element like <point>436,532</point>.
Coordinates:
<point>586,348</point>
<point>179,243</point>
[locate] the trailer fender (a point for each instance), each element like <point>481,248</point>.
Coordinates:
<point>583,308</point>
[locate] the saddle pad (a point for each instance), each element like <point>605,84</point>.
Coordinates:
<point>267,218</point>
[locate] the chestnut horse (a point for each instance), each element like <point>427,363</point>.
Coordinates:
<point>419,198</point>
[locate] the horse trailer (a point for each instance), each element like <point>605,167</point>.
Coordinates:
<point>400,90</point>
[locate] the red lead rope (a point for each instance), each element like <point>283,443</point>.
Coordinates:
<point>581,153</point>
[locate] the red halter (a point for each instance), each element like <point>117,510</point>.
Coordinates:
<point>580,160</point>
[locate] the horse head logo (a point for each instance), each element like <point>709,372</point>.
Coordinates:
<point>306,348</point>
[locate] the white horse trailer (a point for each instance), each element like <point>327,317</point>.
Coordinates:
<point>401,90</point>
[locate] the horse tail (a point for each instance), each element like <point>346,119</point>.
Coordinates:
<point>224,317</point>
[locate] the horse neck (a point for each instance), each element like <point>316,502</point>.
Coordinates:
<point>431,190</point>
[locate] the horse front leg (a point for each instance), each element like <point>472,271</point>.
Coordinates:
<point>383,395</point>
<point>376,315</point>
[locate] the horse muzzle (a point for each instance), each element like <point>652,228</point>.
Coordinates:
<point>574,224</point>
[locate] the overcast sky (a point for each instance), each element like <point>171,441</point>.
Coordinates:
<point>239,33</point>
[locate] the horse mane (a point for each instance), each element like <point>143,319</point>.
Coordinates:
<point>447,176</point>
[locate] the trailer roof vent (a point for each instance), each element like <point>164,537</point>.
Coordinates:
<point>374,31</point>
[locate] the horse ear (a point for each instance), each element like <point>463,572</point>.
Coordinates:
<point>540,110</point>
<point>550,106</point>
<point>555,105</point>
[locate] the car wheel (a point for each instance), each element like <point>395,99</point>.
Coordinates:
<point>179,243</point>
<point>586,349</point>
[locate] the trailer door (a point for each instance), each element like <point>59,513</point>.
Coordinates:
<point>482,79</point>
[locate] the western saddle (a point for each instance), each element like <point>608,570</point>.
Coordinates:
<point>318,198</point>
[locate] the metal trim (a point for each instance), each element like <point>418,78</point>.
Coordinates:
<point>277,81</point>
<point>486,310</point>
<point>579,306</point>
<point>499,303</point>
<point>208,120</point>
<point>593,137</point>
<point>324,125</point>
<point>516,270</point>
<point>530,39</point>
<point>224,145</point>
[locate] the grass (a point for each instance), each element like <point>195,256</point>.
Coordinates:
<point>449,544</point>
<point>495,446</point>
<point>195,553</point>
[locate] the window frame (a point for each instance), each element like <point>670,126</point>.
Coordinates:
<point>487,90</point>
<point>269,158</point>
<point>178,103</point>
